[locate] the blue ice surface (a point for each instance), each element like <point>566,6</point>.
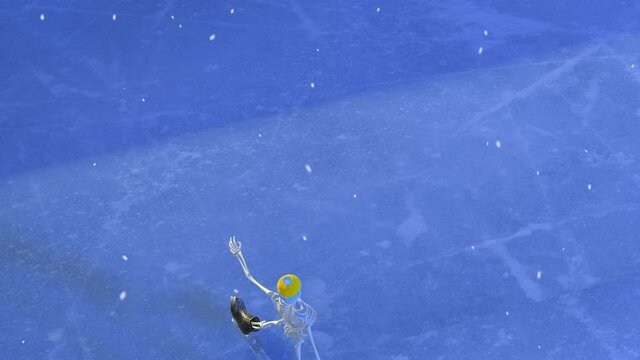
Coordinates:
<point>438,201</point>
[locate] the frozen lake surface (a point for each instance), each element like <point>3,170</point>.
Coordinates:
<point>450,179</point>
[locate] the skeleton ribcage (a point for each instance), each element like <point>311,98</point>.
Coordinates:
<point>297,317</point>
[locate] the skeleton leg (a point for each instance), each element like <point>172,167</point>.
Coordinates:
<point>313,343</point>
<point>297,347</point>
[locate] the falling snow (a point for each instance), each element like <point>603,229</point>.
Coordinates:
<point>420,168</point>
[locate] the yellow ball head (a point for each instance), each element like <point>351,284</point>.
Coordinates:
<point>289,286</point>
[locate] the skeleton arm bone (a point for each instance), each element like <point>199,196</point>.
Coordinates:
<point>266,324</point>
<point>234,247</point>
<point>248,274</point>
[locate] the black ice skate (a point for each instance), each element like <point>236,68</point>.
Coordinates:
<point>246,322</point>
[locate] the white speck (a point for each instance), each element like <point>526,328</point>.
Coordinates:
<point>114,17</point>
<point>586,151</point>
<point>563,248</point>
<point>308,168</point>
<point>41,17</point>
<point>22,341</point>
<point>633,66</point>
<point>317,50</point>
<point>125,258</point>
<point>538,173</point>
<point>355,196</point>
<point>539,347</point>
<point>588,186</point>
<point>304,237</point>
<point>212,37</point>
<point>235,291</point>
<point>486,33</point>
<point>480,50</point>
<point>378,10</point>
<point>313,85</point>
<point>143,100</point>
<point>123,295</point>
<point>539,275</point>
<point>473,247</point>
<point>506,313</point>
<point>487,143</point>
<point>173,17</point>
<point>180,26</point>
<point>94,164</point>
<point>259,135</point>
<point>498,144</point>
<point>232,11</point>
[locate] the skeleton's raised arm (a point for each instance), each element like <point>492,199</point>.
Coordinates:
<point>234,248</point>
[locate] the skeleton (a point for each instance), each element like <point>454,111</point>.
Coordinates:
<point>296,317</point>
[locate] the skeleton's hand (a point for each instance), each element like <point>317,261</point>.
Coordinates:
<point>256,325</point>
<point>234,246</point>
